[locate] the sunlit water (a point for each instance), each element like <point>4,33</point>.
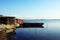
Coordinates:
<point>51,31</point>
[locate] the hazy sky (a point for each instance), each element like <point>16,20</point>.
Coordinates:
<point>31,9</point>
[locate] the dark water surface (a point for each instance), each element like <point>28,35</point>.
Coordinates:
<point>51,31</point>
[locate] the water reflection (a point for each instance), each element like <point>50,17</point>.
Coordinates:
<point>51,31</point>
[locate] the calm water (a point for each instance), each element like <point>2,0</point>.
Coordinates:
<point>51,31</point>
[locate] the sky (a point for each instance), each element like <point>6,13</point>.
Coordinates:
<point>31,9</point>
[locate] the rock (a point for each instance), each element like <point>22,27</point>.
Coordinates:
<point>3,35</point>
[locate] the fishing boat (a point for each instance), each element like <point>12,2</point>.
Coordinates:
<point>29,24</point>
